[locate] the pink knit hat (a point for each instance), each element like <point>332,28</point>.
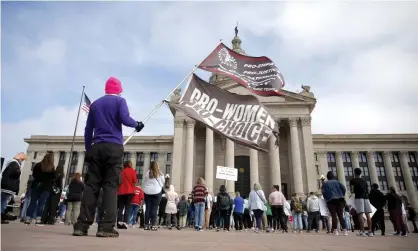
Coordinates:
<point>113,86</point>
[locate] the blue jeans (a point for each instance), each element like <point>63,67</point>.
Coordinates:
<point>297,221</point>
<point>62,210</point>
<point>5,199</point>
<point>26,202</point>
<point>37,203</point>
<point>305,221</point>
<point>348,223</point>
<point>199,214</point>
<point>132,214</point>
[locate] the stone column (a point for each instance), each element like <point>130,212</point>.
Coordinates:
<point>389,169</point>
<point>209,158</point>
<point>372,168</point>
<point>147,162</point>
<point>274,162</point>
<point>230,162</point>
<point>56,158</point>
<point>254,177</point>
<point>354,160</point>
<point>133,160</point>
<point>309,156</point>
<point>80,162</point>
<point>178,148</point>
<point>409,184</point>
<point>323,163</point>
<point>296,163</point>
<point>67,161</point>
<point>340,168</point>
<point>188,171</point>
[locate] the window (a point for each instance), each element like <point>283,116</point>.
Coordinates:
<point>346,157</point>
<point>383,185</point>
<point>154,156</point>
<point>317,170</point>
<point>168,169</point>
<point>35,154</point>
<point>400,185</point>
<point>380,170</point>
<point>395,158</point>
<point>140,157</point>
<point>331,157</point>
<point>348,171</point>
<point>414,171</point>
<point>319,184</point>
<point>75,156</point>
<point>362,157</point>
<point>397,171</point>
<point>169,157</point>
<point>365,171</point>
<point>412,158</point>
<point>62,155</point>
<point>333,169</point>
<point>378,157</point>
<point>126,156</point>
<point>316,156</point>
<point>73,169</point>
<point>369,184</point>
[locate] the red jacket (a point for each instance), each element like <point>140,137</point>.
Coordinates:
<point>128,181</point>
<point>138,197</point>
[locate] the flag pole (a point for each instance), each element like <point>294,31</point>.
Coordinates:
<point>72,143</point>
<point>168,96</point>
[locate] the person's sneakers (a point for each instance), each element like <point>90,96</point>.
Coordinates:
<point>121,225</point>
<point>79,232</point>
<point>336,232</point>
<point>345,232</point>
<point>178,228</point>
<point>370,234</point>
<point>39,223</point>
<point>404,235</point>
<point>111,233</point>
<point>361,234</point>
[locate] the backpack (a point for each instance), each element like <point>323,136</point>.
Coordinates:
<point>297,207</point>
<point>225,201</point>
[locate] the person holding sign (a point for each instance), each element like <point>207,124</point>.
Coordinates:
<point>334,192</point>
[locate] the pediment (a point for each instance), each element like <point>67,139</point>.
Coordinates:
<point>288,97</point>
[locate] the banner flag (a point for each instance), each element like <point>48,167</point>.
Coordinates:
<point>258,74</point>
<point>241,118</point>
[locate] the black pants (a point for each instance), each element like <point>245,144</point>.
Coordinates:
<point>124,206</point>
<point>105,166</point>
<point>313,220</point>
<point>278,213</point>
<point>226,216</point>
<point>248,223</point>
<point>50,208</point>
<point>336,208</point>
<point>238,220</point>
<point>151,206</point>
<point>379,218</point>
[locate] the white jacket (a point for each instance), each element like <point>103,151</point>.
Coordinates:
<point>172,200</point>
<point>256,200</point>
<point>286,208</point>
<point>153,186</point>
<point>313,204</point>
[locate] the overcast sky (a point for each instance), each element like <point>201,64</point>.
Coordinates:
<point>360,59</point>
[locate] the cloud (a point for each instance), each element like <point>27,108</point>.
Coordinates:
<point>360,59</point>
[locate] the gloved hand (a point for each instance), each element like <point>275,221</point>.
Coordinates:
<point>139,127</point>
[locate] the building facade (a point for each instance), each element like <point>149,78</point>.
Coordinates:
<point>194,151</point>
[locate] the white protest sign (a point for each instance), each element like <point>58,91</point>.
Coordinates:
<point>226,173</point>
<point>323,208</point>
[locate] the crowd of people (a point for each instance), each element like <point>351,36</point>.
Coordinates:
<point>112,197</point>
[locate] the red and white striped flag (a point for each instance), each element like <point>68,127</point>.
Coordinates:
<point>86,104</point>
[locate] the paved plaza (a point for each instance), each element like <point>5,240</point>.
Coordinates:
<point>16,236</point>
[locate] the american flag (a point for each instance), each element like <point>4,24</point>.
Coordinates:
<point>86,104</point>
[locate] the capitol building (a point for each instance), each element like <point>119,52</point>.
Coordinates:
<point>194,150</point>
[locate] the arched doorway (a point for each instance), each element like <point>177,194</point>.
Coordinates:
<point>242,163</point>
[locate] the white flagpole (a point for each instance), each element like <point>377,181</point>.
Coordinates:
<point>72,143</point>
<point>168,96</point>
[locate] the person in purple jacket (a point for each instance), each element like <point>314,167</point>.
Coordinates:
<point>104,152</point>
